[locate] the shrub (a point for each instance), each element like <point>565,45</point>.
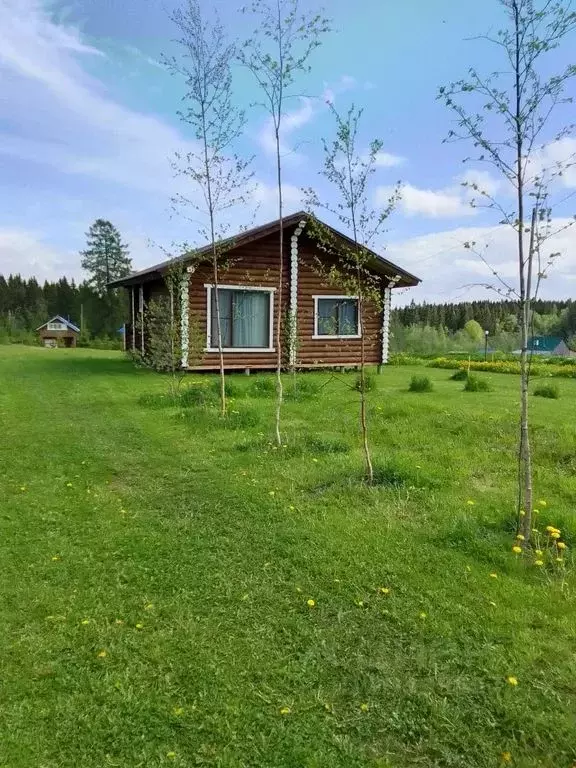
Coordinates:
<point>197,395</point>
<point>547,390</point>
<point>264,386</point>
<point>302,389</point>
<point>369,383</point>
<point>476,384</point>
<point>401,358</point>
<point>460,375</point>
<point>231,387</point>
<point>420,384</point>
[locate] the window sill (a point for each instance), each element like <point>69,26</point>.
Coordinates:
<point>328,338</point>
<point>231,350</point>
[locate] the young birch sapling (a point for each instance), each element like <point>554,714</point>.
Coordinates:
<point>220,177</point>
<point>512,119</point>
<point>348,168</point>
<point>276,54</point>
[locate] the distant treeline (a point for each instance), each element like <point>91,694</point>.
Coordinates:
<point>438,328</point>
<point>26,304</point>
<point>493,316</point>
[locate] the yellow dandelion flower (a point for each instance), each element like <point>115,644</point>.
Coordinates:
<point>506,757</point>
<point>139,626</point>
<point>23,488</point>
<point>543,503</point>
<point>178,711</point>
<point>511,680</point>
<point>422,615</point>
<point>471,502</point>
<point>311,603</point>
<point>171,755</point>
<point>364,707</point>
<point>101,654</point>
<point>493,575</point>
<point>271,493</point>
<point>291,508</point>
<point>522,513</point>
<point>539,562</point>
<point>315,460</point>
<point>517,550</point>
<point>56,557</point>
<point>561,545</point>
<point>520,537</point>
<point>555,534</point>
<point>285,711</point>
<point>68,485</point>
<point>559,560</point>
<point>550,528</point>
<point>384,590</point>
<point>85,621</point>
<point>539,552</point>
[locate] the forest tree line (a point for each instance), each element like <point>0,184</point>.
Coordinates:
<point>437,328</point>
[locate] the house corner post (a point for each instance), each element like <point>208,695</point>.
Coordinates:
<point>133,319</point>
<point>185,317</point>
<point>386,313</point>
<point>141,310</point>
<point>293,311</point>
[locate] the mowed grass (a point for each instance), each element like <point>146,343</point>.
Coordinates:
<point>157,568</point>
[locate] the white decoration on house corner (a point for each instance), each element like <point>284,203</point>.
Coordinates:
<point>387,308</point>
<point>293,314</point>
<point>141,307</point>
<point>184,316</point>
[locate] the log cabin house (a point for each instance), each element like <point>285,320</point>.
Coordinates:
<point>58,332</point>
<point>326,330</point>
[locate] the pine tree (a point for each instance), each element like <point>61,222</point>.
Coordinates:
<point>106,256</point>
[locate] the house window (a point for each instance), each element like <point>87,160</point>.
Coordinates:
<point>336,317</point>
<point>246,318</point>
<point>56,327</point>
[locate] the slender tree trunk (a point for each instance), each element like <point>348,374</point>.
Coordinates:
<point>279,387</point>
<point>219,331</point>
<point>369,469</point>
<point>525,456</point>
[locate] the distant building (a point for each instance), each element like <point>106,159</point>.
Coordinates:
<point>58,332</point>
<point>549,345</point>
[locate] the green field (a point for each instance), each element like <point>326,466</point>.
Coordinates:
<point>157,567</point>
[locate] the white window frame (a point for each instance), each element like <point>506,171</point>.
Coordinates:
<point>230,350</point>
<point>317,335</point>
<point>59,326</point>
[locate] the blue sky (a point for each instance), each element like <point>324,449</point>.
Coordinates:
<point>88,125</point>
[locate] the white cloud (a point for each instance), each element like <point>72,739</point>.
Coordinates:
<point>432,204</point>
<point>24,252</point>
<point>102,138</point>
<point>291,122</point>
<point>554,155</point>
<point>451,272</point>
<point>483,180</point>
<point>387,160</point>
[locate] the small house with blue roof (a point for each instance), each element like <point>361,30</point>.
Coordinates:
<point>549,345</point>
<point>58,332</point>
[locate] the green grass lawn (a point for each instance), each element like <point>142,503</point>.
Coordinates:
<point>157,567</point>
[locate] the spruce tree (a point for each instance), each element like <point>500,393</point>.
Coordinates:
<point>106,256</point>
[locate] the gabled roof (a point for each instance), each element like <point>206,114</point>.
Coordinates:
<point>60,319</point>
<point>379,264</point>
<point>544,343</point>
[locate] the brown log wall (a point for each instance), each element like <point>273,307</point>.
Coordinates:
<point>330,352</point>
<point>254,264</point>
<point>257,264</point>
